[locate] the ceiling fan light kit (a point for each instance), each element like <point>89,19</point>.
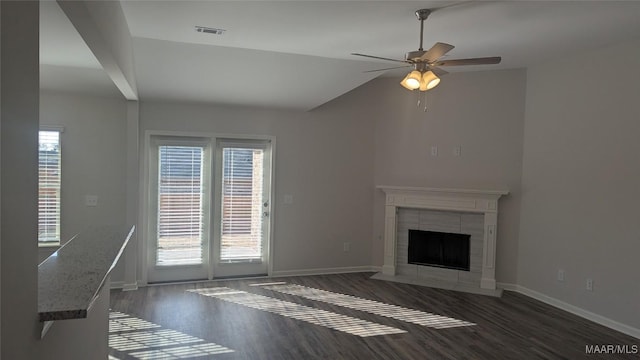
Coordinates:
<point>430,80</point>
<point>422,81</point>
<point>412,80</point>
<point>426,71</point>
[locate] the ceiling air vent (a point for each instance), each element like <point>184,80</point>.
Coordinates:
<point>208,30</point>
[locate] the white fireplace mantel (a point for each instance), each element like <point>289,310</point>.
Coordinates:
<point>462,200</point>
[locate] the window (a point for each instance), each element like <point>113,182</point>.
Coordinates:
<point>180,205</point>
<point>238,190</point>
<point>242,203</point>
<point>49,187</point>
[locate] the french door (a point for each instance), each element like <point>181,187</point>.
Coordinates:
<point>209,208</point>
<point>242,186</point>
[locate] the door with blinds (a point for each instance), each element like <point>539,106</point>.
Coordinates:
<point>178,236</point>
<point>208,208</point>
<point>243,187</point>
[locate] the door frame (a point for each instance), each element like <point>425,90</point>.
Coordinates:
<point>145,195</point>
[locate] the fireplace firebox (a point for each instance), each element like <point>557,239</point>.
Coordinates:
<point>439,249</point>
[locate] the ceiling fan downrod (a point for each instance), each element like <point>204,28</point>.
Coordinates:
<point>422,15</point>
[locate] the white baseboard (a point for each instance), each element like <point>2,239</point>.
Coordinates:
<point>130,287</point>
<point>599,319</point>
<point>507,286</point>
<point>120,285</point>
<point>325,271</point>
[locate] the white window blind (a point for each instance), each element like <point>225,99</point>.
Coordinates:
<point>242,191</point>
<point>49,187</point>
<point>180,205</point>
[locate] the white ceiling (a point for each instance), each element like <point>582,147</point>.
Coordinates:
<point>295,54</point>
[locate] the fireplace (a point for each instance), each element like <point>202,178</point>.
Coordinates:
<point>439,249</point>
<point>459,211</point>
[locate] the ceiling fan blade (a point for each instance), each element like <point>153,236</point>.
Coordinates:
<point>436,52</point>
<point>391,68</point>
<point>471,61</point>
<point>380,58</point>
<point>439,72</point>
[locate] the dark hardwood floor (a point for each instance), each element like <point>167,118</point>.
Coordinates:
<point>239,320</point>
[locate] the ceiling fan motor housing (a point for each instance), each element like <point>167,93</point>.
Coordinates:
<point>414,56</point>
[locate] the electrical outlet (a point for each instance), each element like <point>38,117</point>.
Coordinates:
<point>560,275</point>
<point>589,284</point>
<point>434,150</point>
<point>457,151</point>
<point>346,246</point>
<point>91,200</point>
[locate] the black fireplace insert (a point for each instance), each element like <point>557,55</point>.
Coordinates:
<point>439,249</point>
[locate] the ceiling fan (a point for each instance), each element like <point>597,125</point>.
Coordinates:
<point>426,64</point>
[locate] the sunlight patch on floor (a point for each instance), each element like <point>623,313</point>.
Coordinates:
<point>269,283</point>
<point>143,340</point>
<point>371,306</point>
<point>308,314</point>
<point>123,322</point>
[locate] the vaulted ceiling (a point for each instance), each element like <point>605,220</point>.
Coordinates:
<point>296,54</point>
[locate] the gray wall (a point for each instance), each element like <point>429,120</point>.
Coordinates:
<point>580,182</point>
<point>93,160</point>
<point>19,178</point>
<point>323,158</point>
<point>483,112</point>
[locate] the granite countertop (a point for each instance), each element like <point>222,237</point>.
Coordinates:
<point>69,280</point>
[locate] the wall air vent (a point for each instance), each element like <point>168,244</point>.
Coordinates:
<point>208,30</point>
